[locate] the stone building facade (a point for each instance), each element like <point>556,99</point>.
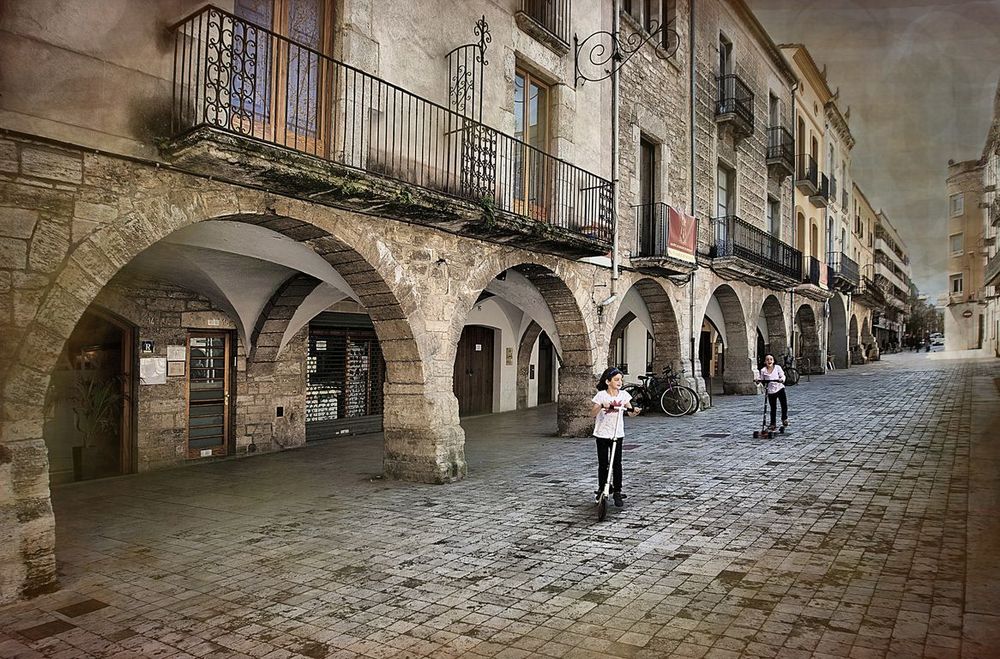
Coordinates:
<point>892,275</point>
<point>991,201</point>
<point>964,321</point>
<point>441,177</point>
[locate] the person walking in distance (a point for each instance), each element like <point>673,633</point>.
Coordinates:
<point>610,406</point>
<point>774,378</point>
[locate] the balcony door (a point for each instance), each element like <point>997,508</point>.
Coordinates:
<point>532,180</point>
<point>647,214</point>
<point>281,84</point>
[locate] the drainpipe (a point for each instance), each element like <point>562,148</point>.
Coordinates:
<point>615,27</point>
<point>691,60</point>
<point>791,299</point>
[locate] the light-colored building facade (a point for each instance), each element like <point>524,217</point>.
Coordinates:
<point>990,162</point>
<point>964,322</point>
<point>892,275</point>
<point>867,299</point>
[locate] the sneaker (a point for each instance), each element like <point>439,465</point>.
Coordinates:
<point>618,500</point>
<point>772,428</point>
<point>785,422</point>
<point>597,497</point>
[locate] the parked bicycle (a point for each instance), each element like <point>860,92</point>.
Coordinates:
<point>674,398</point>
<point>788,366</point>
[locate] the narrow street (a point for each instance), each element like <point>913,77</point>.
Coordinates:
<point>869,530</point>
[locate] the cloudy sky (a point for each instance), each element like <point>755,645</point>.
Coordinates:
<point>920,77</point>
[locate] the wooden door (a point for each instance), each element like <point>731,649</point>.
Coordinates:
<point>473,376</point>
<point>545,369</point>
<point>208,393</point>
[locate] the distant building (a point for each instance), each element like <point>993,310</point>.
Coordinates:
<point>892,275</point>
<point>990,220</point>
<point>966,257</point>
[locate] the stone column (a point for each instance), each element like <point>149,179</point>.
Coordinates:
<point>423,440</point>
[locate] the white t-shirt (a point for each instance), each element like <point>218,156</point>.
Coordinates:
<point>610,425</point>
<point>771,379</point>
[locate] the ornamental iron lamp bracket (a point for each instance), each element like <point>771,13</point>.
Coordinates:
<point>602,53</point>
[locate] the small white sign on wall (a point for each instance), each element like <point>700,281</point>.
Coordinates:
<point>479,347</point>
<point>153,370</point>
<point>176,353</point>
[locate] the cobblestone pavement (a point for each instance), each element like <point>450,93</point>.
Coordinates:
<point>869,530</point>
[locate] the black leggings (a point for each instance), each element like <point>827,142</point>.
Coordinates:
<point>772,399</point>
<point>603,451</point>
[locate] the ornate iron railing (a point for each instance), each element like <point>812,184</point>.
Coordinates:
<point>832,189</point>
<point>806,170</point>
<point>735,237</point>
<point>869,290</point>
<point>845,267</point>
<point>552,15</point>
<point>824,188</point>
<point>237,77</point>
<point>735,98</point>
<point>781,146</point>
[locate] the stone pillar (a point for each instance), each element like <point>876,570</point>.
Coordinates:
<point>738,376</point>
<point>577,386</point>
<point>423,439</point>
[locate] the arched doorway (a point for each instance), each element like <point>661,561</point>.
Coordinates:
<point>645,335</point>
<point>771,329</point>
<point>807,348</point>
<point>724,343</point>
<point>89,426</point>
<point>854,345</point>
<point>837,332</point>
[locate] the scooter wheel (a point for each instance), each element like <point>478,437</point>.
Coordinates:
<point>756,434</point>
<point>781,430</point>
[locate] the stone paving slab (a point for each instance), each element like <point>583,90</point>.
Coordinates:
<point>852,536</point>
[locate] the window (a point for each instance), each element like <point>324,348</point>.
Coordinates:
<point>725,56</point>
<point>773,111</point>
<point>774,217</point>
<point>956,283</point>
<point>552,15</point>
<point>531,126</point>
<point>957,204</point>
<point>277,86</point>
<point>724,194</point>
<point>957,243</point>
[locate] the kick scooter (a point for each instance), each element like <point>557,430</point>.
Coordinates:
<point>602,497</point>
<point>765,431</point>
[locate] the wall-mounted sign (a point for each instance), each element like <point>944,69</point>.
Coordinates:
<point>967,313</point>
<point>152,370</point>
<point>479,347</point>
<point>176,353</point>
<point>510,357</point>
<point>146,347</point>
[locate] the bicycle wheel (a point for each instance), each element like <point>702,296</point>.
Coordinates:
<point>676,401</point>
<point>695,401</point>
<point>791,376</point>
<point>639,399</point>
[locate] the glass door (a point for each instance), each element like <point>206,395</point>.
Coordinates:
<point>208,394</point>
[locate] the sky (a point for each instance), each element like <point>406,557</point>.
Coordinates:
<point>920,78</point>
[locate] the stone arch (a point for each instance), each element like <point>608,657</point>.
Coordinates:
<point>616,333</point>
<point>837,343</point>
<point>524,348</point>
<point>419,444</point>
<point>578,357</point>
<point>738,374</point>
<point>666,332</point>
<point>853,341</point>
<point>774,318</point>
<point>808,351</point>
<point>267,334</point>
<point>866,332</point>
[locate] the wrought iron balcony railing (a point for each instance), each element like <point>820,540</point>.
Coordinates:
<point>243,79</point>
<point>811,275</point>
<point>807,173</point>
<point>995,210</point>
<point>992,275</point>
<point>844,268</point>
<point>653,237</point>
<point>869,291</point>
<point>735,98</point>
<point>735,237</point>
<point>552,15</point>
<point>781,148</point>
<point>821,198</point>
<point>833,188</point>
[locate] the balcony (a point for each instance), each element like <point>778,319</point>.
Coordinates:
<point>666,240</point>
<point>992,275</point>
<point>735,105</point>
<point>806,175</point>
<point>780,152</point>
<point>869,294</point>
<point>845,275</point>
<point>844,199</point>
<point>821,198</point>
<point>254,107</point>
<point>995,210</point>
<point>814,280</point>
<point>547,21</point>
<point>743,250</point>
<point>833,188</point>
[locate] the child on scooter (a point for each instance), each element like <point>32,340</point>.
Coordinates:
<point>610,405</point>
<point>774,377</point>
